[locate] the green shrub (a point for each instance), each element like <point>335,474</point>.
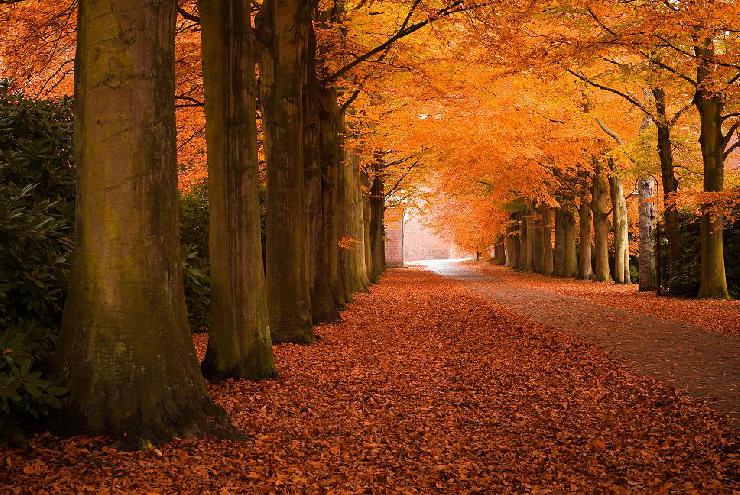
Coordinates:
<point>685,283</point>
<point>37,189</point>
<point>194,241</point>
<point>24,393</point>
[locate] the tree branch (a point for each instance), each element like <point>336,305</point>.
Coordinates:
<point>627,97</point>
<point>400,179</point>
<point>187,15</point>
<point>609,131</point>
<point>454,8</point>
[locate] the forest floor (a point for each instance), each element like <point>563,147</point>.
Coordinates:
<point>692,344</point>
<point>427,385</point>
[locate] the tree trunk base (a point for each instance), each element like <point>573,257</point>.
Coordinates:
<point>305,338</point>
<point>198,419</point>
<point>245,370</point>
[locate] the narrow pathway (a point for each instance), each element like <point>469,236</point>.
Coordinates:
<point>705,365</point>
<point>424,387</point>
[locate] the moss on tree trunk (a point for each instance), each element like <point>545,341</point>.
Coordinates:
<point>282,73</point>
<point>125,351</point>
<point>713,281</point>
<point>239,344</point>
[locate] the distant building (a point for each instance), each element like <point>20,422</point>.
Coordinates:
<point>393,240</point>
<point>407,239</point>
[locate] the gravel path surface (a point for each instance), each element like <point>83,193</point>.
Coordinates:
<point>706,365</point>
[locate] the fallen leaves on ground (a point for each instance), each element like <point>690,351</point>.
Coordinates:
<point>423,387</point>
<point>712,315</point>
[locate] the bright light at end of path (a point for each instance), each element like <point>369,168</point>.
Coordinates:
<point>433,263</point>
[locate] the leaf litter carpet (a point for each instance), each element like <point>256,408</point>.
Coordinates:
<point>691,344</point>
<point>424,387</point>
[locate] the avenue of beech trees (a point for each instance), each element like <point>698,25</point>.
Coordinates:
<point>588,139</point>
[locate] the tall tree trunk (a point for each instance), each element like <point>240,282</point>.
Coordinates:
<point>559,252</point>
<point>646,187</point>
<point>367,229</point>
<point>547,260</point>
<point>332,126</point>
<point>377,231</point>
<point>669,182</point>
<point>357,211</point>
<point>537,242</point>
<point>713,281</point>
<point>621,228</point>
<point>585,270</point>
<point>500,250</point>
<point>323,307</point>
<point>345,227</point>
<point>282,74</point>
<point>125,352</point>
<point>570,259</point>
<point>239,344</point>
<point>599,200</point>
<point>510,242</point>
<point>529,236</point>
<point>522,243</point>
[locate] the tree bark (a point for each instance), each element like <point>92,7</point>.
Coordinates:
<point>282,74</point>
<point>559,251</point>
<point>529,241</point>
<point>323,307</point>
<point>331,125</point>
<point>621,228</point>
<point>547,254</point>
<point>599,198</point>
<point>354,253</point>
<point>648,281</point>
<point>522,243</point>
<point>361,282</point>
<point>713,282</point>
<point>366,227</point>
<point>537,242</point>
<point>377,231</point>
<point>125,352</point>
<point>510,242</point>
<point>239,344</point>
<point>585,270</point>
<point>668,179</point>
<point>570,259</point>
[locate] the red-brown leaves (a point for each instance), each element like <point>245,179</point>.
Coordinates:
<point>423,388</point>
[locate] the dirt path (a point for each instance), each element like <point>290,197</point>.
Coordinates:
<point>424,387</point>
<point>704,364</point>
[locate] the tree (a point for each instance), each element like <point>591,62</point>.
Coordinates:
<point>282,71</point>
<point>125,351</point>
<point>599,197</point>
<point>239,344</point>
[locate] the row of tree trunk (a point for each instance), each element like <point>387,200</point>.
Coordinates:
<point>125,351</point>
<point>529,246</point>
